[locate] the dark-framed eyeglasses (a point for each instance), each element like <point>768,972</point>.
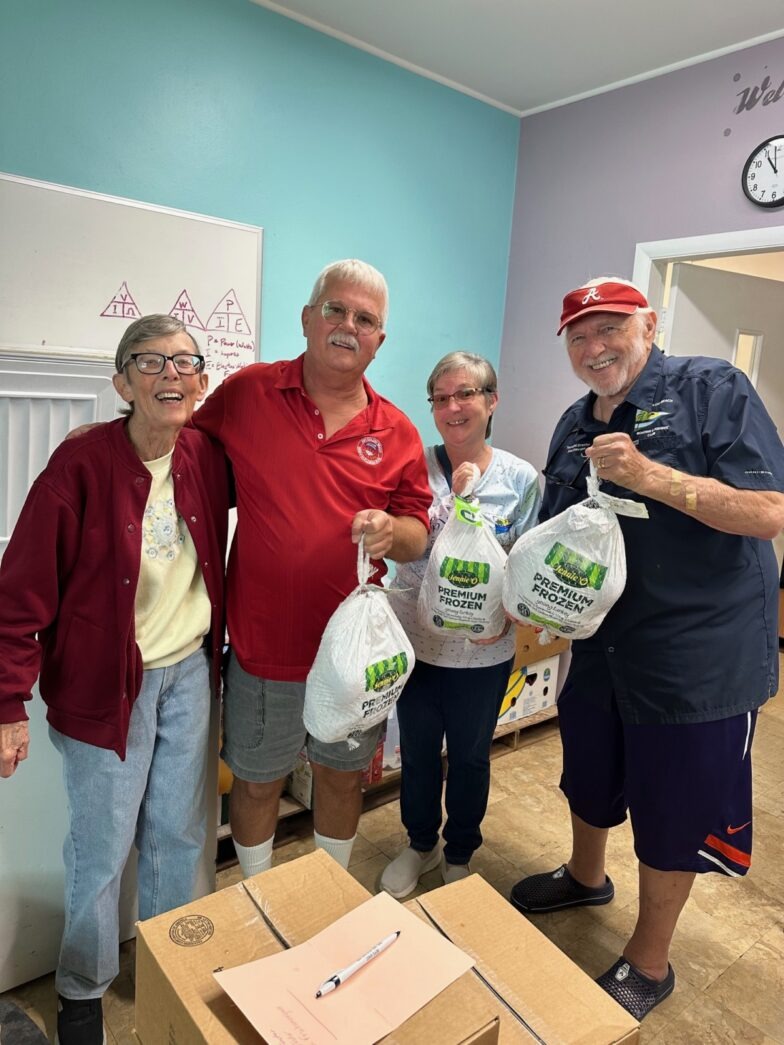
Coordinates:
<point>335,313</point>
<point>154,362</point>
<point>462,395</point>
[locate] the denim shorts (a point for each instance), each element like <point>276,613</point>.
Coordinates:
<point>263,731</point>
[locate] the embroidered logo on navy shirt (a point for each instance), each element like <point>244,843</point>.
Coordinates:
<point>646,418</point>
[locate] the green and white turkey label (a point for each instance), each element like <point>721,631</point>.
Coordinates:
<point>385,673</point>
<point>464,573</point>
<point>575,569</point>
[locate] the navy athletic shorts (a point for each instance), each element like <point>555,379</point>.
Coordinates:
<point>687,787</point>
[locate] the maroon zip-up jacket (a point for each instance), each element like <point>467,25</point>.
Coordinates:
<point>69,574</point>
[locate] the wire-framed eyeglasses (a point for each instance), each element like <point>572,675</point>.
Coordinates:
<point>335,313</point>
<point>154,362</point>
<point>462,395</point>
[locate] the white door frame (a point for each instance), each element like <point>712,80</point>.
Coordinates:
<point>745,241</point>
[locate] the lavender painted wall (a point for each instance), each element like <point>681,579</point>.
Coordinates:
<point>657,160</point>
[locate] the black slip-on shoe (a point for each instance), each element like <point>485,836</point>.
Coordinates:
<point>635,991</point>
<point>557,890</point>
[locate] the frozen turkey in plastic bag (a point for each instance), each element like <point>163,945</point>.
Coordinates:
<point>463,581</point>
<point>362,664</point>
<point>566,574</point>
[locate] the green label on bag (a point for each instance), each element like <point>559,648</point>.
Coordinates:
<point>467,511</point>
<point>574,569</point>
<point>464,574</point>
<point>382,675</point>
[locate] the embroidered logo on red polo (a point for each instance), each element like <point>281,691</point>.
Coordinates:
<point>734,830</point>
<point>370,449</point>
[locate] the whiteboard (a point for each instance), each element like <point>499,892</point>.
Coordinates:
<point>77,267</point>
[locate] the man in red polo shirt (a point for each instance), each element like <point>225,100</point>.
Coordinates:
<point>319,459</point>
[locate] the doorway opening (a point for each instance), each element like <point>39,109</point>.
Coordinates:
<point>722,295</point>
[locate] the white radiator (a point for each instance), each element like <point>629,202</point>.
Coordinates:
<point>43,395</point>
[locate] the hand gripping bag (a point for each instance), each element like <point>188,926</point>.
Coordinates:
<point>463,582</point>
<point>362,664</point>
<point>565,575</point>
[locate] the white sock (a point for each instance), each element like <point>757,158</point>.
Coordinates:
<point>255,858</point>
<point>338,848</point>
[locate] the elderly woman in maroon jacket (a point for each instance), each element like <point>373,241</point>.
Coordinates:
<point>111,590</point>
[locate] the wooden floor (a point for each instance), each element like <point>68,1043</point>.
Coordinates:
<point>728,952</point>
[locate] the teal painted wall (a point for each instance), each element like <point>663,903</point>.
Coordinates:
<point>224,108</point>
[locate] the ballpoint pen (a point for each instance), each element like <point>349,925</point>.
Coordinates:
<point>333,982</point>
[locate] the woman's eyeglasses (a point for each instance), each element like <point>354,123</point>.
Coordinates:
<point>154,362</point>
<point>463,395</point>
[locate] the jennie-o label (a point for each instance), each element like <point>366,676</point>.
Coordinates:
<point>384,683</point>
<point>565,590</point>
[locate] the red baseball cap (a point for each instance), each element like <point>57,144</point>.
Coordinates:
<point>606,297</point>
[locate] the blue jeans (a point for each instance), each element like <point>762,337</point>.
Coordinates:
<point>463,704</point>
<point>155,798</point>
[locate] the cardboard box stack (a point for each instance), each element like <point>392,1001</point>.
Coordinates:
<point>533,679</point>
<point>522,988</point>
<point>531,688</point>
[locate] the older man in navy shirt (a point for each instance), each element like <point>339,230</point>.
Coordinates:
<point>658,711</point>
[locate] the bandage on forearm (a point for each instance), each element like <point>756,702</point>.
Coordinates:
<point>677,488</point>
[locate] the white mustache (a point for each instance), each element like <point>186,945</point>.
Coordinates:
<point>344,340</point>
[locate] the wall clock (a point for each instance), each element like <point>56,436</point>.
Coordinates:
<point>763,173</point>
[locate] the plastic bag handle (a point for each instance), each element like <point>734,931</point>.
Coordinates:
<point>363,562</point>
<point>469,488</point>
<point>592,483</point>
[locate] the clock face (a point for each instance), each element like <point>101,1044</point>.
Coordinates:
<point>763,175</point>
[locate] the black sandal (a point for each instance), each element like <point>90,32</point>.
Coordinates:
<point>557,890</point>
<point>635,991</point>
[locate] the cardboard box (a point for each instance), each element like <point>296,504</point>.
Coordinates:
<point>299,782</point>
<point>531,688</point>
<point>528,649</point>
<point>522,986</point>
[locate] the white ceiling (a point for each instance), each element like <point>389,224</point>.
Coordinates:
<point>528,55</point>
<point>769,265</point>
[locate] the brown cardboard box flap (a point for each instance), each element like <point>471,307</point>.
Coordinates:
<point>545,994</point>
<point>179,1002</point>
<point>177,997</point>
<point>300,898</point>
<point>528,648</point>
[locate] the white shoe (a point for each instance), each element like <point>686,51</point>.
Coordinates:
<point>453,872</point>
<point>401,877</point>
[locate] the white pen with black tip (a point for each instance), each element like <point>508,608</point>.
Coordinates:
<point>333,982</point>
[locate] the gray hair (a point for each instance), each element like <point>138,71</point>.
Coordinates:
<point>480,369</point>
<point>149,328</point>
<point>627,283</point>
<point>352,270</point>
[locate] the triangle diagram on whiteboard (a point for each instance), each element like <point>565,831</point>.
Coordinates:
<point>122,305</point>
<point>228,315</point>
<point>185,312</point>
